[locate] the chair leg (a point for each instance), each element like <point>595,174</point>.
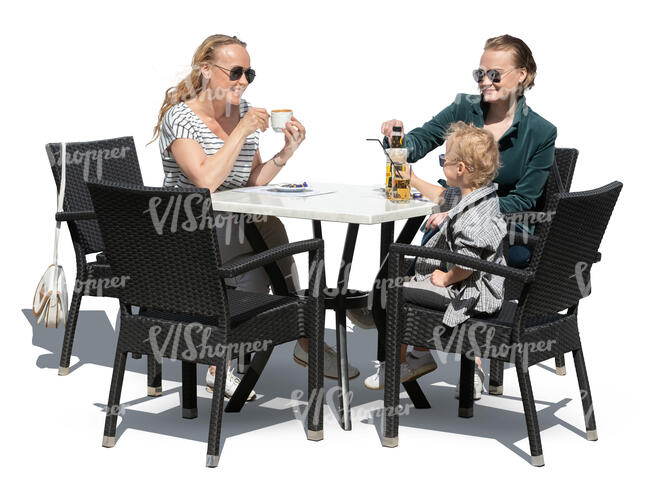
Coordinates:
<point>70,327</point>
<point>189,390</point>
<point>154,376</point>
<point>315,387</point>
<point>391,392</point>
<point>535,440</point>
<point>113,406</point>
<point>585,392</point>
<point>496,377</point>
<point>560,367</point>
<point>466,395</point>
<point>216,413</point>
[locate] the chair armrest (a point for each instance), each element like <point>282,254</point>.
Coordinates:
<point>460,259</point>
<point>75,215</point>
<point>263,258</point>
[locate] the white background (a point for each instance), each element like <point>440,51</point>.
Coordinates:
<point>85,71</point>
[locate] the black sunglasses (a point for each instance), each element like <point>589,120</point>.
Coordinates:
<point>494,75</point>
<point>443,160</point>
<point>236,72</point>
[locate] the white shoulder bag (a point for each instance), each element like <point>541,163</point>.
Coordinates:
<point>51,296</point>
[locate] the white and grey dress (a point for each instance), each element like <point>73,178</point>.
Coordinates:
<point>181,122</point>
<point>474,227</point>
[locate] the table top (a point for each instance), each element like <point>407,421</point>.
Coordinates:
<point>363,204</point>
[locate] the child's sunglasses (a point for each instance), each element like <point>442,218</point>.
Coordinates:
<point>443,160</point>
<point>236,72</point>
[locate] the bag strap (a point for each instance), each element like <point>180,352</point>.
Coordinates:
<point>59,205</point>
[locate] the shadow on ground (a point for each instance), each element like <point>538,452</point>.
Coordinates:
<point>283,384</point>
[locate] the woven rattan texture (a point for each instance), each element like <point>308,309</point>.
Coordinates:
<point>113,160</point>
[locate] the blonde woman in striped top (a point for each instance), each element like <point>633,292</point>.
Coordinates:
<point>209,138</point>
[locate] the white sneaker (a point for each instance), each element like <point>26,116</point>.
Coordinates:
<point>330,370</point>
<point>479,377</point>
<point>421,365</point>
<point>376,381</point>
<point>232,382</point>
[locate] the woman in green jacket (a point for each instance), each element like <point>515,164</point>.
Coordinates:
<point>526,140</point>
<point>526,148</point>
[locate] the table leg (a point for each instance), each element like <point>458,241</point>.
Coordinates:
<point>341,329</point>
<point>318,230</point>
<point>248,381</point>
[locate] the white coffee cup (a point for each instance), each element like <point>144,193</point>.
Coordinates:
<point>279,119</point>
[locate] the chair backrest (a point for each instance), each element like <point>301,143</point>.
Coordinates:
<point>567,248</point>
<point>112,160</point>
<point>566,163</point>
<point>162,243</point>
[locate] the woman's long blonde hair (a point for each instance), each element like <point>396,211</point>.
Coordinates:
<point>193,83</point>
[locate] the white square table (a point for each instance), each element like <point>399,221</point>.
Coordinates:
<point>351,204</point>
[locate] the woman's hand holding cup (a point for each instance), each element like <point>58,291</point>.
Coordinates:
<point>294,135</point>
<point>254,119</point>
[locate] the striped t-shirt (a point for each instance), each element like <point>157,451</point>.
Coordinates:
<point>181,122</point>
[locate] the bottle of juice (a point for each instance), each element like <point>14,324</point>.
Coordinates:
<point>396,141</point>
<point>396,137</point>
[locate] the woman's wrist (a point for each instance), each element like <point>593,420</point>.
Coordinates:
<point>281,157</point>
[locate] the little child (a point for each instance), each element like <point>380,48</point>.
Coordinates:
<point>473,226</point>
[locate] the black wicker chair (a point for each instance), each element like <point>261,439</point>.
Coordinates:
<point>565,160</point>
<point>567,245</point>
<point>113,160</point>
<point>177,277</point>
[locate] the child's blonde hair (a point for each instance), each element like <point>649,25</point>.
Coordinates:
<point>477,148</point>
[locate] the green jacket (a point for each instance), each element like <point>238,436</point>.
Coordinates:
<point>527,148</point>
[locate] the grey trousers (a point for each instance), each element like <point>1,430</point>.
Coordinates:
<point>424,293</point>
<point>234,246</point>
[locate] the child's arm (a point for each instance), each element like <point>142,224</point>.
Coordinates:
<point>445,279</point>
<point>435,193</point>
